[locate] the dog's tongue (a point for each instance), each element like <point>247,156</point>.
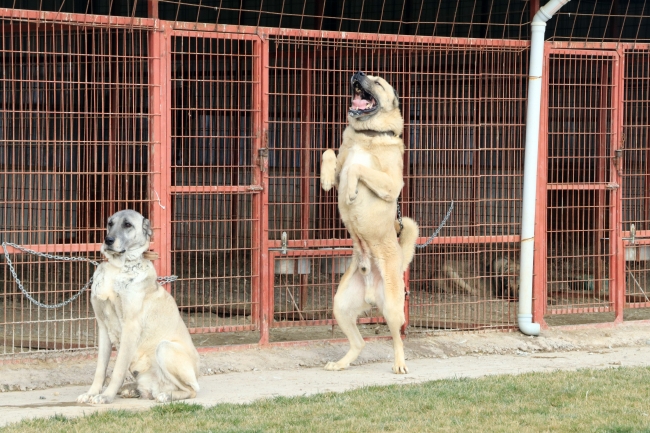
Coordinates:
<point>359,103</point>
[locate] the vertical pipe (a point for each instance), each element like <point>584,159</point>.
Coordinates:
<point>538,27</point>
<point>540,277</point>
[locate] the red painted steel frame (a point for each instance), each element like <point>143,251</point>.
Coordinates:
<point>259,181</point>
<point>617,262</point>
<point>160,76</point>
<point>76,19</point>
<point>601,187</point>
<point>264,196</point>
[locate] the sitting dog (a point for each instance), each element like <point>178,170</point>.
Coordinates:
<point>141,319</point>
<point>368,175</point>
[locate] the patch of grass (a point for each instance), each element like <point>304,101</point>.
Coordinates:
<point>613,400</point>
<point>59,418</point>
<point>176,408</point>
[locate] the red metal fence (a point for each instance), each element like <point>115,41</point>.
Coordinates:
<point>633,166</point>
<point>216,132</point>
<point>581,187</point>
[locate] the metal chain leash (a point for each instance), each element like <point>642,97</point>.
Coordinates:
<point>434,235</point>
<point>167,280</point>
<point>161,280</point>
<point>442,224</point>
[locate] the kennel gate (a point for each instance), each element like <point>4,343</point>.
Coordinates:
<point>593,185</point>
<point>216,173</point>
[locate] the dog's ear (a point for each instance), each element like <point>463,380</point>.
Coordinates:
<point>396,101</point>
<point>146,228</point>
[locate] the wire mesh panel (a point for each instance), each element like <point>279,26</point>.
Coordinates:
<point>467,19</point>
<point>464,144</point>
<point>635,166</point>
<point>304,284</point>
<point>465,139</point>
<point>581,126</point>
<point>74,132</point>
<point>24,327</point>
<point>215,180</point>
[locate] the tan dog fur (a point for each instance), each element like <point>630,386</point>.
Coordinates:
<point>141,319</point>
<point>368,176</point>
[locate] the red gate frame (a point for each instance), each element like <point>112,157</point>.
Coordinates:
<point>617,291</point>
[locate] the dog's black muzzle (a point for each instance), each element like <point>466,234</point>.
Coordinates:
<point>357,77</point>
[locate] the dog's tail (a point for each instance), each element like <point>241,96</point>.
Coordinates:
<point>407,240</point>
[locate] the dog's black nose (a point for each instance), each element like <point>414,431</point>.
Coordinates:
<point>358,76</point>
<point>109,240</point>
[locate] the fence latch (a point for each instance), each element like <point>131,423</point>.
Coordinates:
<point>618,156</point>
<point>283,243</point>
<point>632,237</point>
<point>263,157</point>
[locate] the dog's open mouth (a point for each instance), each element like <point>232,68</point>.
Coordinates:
<point>363,102</point>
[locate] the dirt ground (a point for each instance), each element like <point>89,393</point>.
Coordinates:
<point>47,385</point>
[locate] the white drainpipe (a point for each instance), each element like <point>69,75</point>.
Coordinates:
<point>538,27</point>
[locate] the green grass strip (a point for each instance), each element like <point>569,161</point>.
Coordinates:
<point>611,400</point>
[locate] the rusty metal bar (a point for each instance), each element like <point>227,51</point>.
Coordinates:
<point>76,19</point>
<point>152,9</point>
<point>217,189</point>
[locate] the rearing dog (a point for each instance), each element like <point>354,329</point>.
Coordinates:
<point>141,319</point>
<point>368,176</point>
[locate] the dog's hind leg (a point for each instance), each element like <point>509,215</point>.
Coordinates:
<point>365,268</point>
<point>178,368</point>
<point>394,313</point>
<point>348,304</point>
<point>392,302</point>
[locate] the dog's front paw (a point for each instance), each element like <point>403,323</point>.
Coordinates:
<point>101,399</point>
<point>85,398</point>
<point>400,368</point>
<point>326,181</point>
<point>334,366</point>
<point>328,170</point>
